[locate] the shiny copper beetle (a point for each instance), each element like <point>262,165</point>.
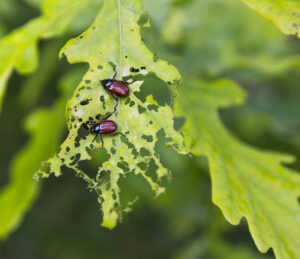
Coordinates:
<point>103,127</point>
<point>116,88</point>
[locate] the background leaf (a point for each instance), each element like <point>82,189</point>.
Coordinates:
<point>285,14</point>
<point>18,50</point>
<point>45,127</point>
<point>245,182</point>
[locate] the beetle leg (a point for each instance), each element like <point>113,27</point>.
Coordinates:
<point>117,101</point>
<point>113,96</point>
<point>116,133</point>
<point>115,108</point>
<point>101,140</point>
<point>95,138</point>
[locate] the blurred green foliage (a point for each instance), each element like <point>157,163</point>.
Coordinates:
<point>206,40</point>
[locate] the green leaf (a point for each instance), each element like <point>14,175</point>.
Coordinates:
<point>246,182</point>
<point>285,14</point>
<point>213,47</point>
<point>217,248</point>
<point>223,249</point>
<point>45,127</point>
<point>18,50</point>
<point>114,41</point>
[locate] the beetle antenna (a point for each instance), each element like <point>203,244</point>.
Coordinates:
<point>92,121</point>
<point>114,75</point>
<point>105,118</point>
<point>98,117</point>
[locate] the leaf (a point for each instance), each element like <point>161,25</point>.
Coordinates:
<point>285,14</point>
<point>18,50</point>
<point>45,127</point>
<point>114,41</point>
<point>246,182</point>
<point>245,44</point>
<point>223,249</point>
<point>202,247</point>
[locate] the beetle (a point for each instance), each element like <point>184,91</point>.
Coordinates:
<point>116,88</point>
<point>104,127</point>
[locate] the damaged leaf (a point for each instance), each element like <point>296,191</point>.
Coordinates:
<point>113,43</point>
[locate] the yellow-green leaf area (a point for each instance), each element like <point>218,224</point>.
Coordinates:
<point>246,182</point>
<point>285,14</point>
<point>113,43</point>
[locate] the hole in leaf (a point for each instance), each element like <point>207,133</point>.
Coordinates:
<point>155,87</point>
<point>102,100</point>
<point>75,159</point>
<point>144,152</point>
<point>142,165</point>
<point>143,19</point>
<point>124,166</point>
<point>179,122</point>
<point>151,170</point>
<point>141,109</point>
<point>134,70</point>
<point>148,138</point>
<point>127,101</point>
<point>104,178</point>
<point>153,107</point>
<point>82,132</point>
<point>130,146</point>
<point>81,88</point>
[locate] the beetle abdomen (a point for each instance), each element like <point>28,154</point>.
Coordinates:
<point>119,88</point>
<point>107,127</point>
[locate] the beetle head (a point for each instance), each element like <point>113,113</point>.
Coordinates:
<point>106,83</point>
<point>92,130</point>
